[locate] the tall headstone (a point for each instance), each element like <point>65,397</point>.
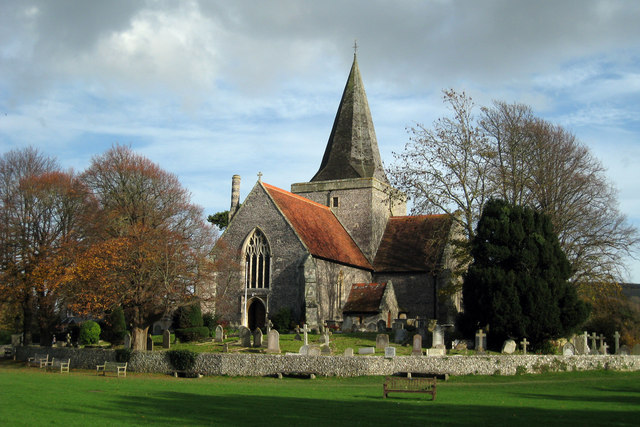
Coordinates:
<point>481,340</point>
<point>166,339</point>
<point>437,337</point>
<point>417,345</point>
<point>273,341</point>
<point>127,340</point>
<point>149,343</point>
<point>382,325</point>
<point>219,333</point>
<point>581,343</point>
<point>245,336</point>
<point>347,324</point>
<point>616,342</point>
<point>305,330</point>
<point>382,341</point>
<point>400,336</point>
<point>257,338</point>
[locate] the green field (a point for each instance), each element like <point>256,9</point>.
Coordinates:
<point>29,396</point>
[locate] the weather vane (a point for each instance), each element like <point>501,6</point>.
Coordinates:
<point>355,47</point>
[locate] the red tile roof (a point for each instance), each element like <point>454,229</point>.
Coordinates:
<point>364,298</point>
<point>413,243</point>
<point>318,228</point>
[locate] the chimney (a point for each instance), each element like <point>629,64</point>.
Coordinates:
<point>235,195</point>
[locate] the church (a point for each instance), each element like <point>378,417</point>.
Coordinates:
<point>341,240</point>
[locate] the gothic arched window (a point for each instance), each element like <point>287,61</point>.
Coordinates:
<point>257,261</point>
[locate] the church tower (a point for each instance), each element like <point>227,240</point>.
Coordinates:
<point>351,179</point>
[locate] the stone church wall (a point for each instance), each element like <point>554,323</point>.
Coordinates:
<point>414,292</point>
<point>287,284</point>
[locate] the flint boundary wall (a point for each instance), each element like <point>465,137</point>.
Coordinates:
<point>341,366</point>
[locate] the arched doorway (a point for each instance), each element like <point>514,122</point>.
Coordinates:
<point>257,314</point>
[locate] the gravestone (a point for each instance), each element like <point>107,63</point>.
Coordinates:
<point>436,352</point>
<point>324,339</point>
<point>245,336</point>
<point>269,326</point>
<point>382,325</point>
<point>636,350</point>
<point>481,341</point>
<point>568,349</point>
<point>372,327</point>
<point>149,343</point>
<point>314,350</point>
<point>616,342</point>
<point>305,330</point>
<point>166,339</point>
<point>273,341</point>
<point>437,337</point>
<point>347,325</point>
<point>401,336</point>
<point>225,347</point>
<point>297,337</point>
<point>594,346</point>
<point>367,350</point>
<point>624,350</point>
<point>127,340</point>
<point>417,345</point>
<point>389,352</point>
<point>524,343</point>
<point>581,344</point>
<point>304,350</point>
<point>219,333</point>
<point>604,349</point>
<point>382,341</point>
<point>257,338</point>
<point>348,352</point>
<point>509,347</point>
<point>325,350</point>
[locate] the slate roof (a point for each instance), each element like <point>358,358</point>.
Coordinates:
<point>352,150</point>
<point>318,228</point>
<point>413,243</point>
<point>364,298</point>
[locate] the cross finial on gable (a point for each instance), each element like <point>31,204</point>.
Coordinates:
<point>259,176</point>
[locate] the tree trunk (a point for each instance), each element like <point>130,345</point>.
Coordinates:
<point>27,319</point>
<point>139,338</point>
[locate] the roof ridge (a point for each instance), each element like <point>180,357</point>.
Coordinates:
<point>296,196</point>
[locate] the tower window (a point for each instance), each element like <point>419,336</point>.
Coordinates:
<point>334,202</point>
<point>257,262</point>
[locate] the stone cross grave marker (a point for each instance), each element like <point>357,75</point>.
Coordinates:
<point>273,341</point>
<point>389,352</point>
<point>348,352</point>
<point>382,341</point>
<point>166,339</point>
<point>245,336</point>
<point>305,330</point>
<point>219,333</point>
<point>524,343</point>
<point>481,340</point>
<point>594,346</point>
<point>568,349</point>
<point>616,342</point>
<point>509,347</point>
<point>601,338</point>
<point>149,343</point>
<point>417,345</point>
<point>603,348</point>
<point>257,338</point>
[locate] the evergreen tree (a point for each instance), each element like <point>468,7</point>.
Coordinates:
<point>518,283</point>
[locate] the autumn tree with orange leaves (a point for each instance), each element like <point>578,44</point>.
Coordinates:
<point>43,218</point>
<point>150,251</point>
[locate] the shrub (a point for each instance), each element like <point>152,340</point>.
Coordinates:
<point>89,333</point>
<point>210,321</point>
<point>123,355</point>
<point>182,360</point>
<point>5,337</point>
<point>192,334</point>
<point>115,327</point>
<point>282,319</point>
<point>188,316</point>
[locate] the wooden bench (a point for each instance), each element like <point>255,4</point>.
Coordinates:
<point>39,360</point>
<point>409,385</point>
<point>60,364</point>
<point>115,367</point>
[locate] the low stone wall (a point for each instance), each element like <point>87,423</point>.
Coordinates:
<point>341,366</point>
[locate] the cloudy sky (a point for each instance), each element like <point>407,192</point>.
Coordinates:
<point>207,89</point>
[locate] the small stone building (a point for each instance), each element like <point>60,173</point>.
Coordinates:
<point>369,304</point>
<point>302,250</point>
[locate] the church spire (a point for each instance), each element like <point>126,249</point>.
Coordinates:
<point>352,150</point>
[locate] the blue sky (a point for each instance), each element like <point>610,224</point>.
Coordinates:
<point>207,89</point>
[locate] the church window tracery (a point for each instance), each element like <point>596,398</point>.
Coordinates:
<point>257,262</point>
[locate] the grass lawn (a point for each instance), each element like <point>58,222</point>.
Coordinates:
<point>29,396</point>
